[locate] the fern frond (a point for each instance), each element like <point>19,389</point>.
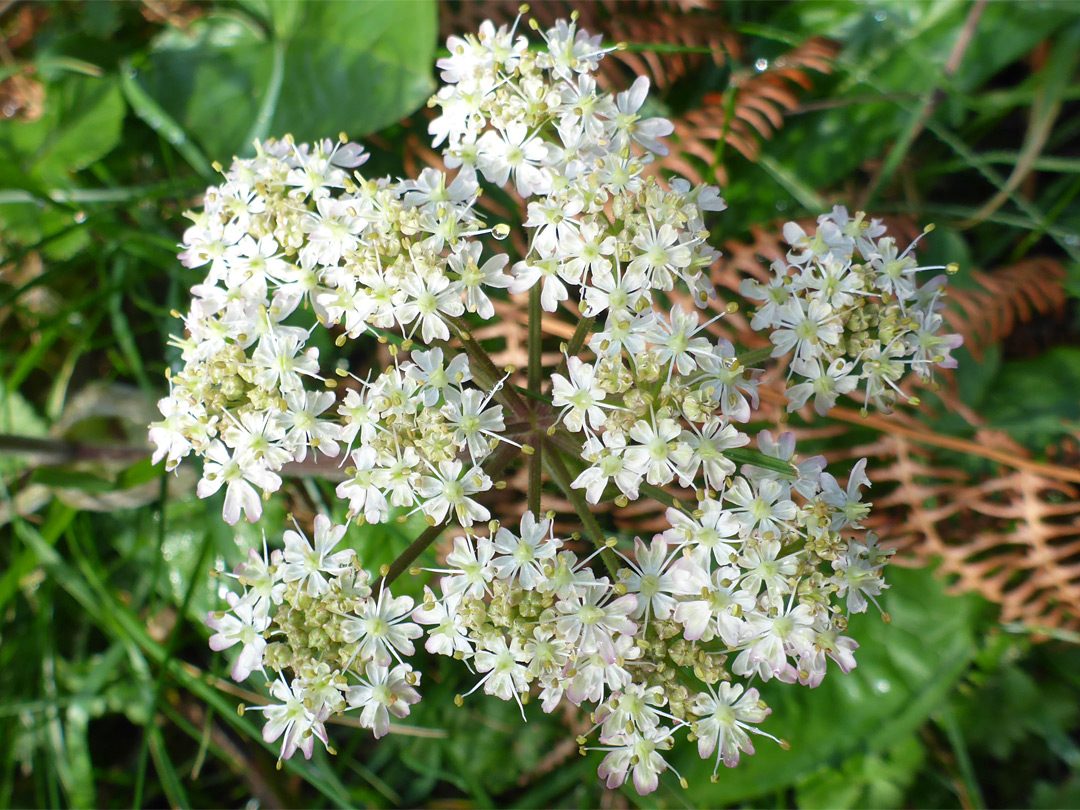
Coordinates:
<point>1013,538</point>
<point>750,110</point>
<point>1007,298</point>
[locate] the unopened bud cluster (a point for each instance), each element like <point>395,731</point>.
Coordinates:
<point>308,615</point>
<point>757,573</point>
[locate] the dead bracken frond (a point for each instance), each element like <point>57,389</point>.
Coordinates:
<point>1013,538</point>
<point>752,108</point>
<point>1006,298</point>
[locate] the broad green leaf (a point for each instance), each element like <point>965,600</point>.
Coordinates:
<point>354,67</point>
<point>81,123</point>
<point>17,418</point>
<point>208,79</point>
<point>1037,399</point>
<point>872,780</point>
<point>63,478</point>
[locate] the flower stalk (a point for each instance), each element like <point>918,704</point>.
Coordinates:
<point>535,371</point>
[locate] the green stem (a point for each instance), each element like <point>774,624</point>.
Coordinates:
<point>495,465</point>
<point>409,555</point>
<point>754,356</point>
<point>535,342</point>
<point>663,496</point>
<point>485,371</point>
<point>577,340</point>
<point>744,455</point>
<point>525,392</point>
<point>535,478</point>
<point>535,373</point>
<point>557,470</point>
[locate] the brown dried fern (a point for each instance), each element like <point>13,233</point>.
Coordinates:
<point>1014,538</point>
<point>1007,298</point>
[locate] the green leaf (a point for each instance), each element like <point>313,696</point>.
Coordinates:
<point>746,455</point>
<point>81,124</point>
<point>873,780</point>
<point>357,67</point>
<point>1037,399</point>
<point>319,69</point>
<point>17,418</point>
<point>208,79</point>
<point>63,478</point>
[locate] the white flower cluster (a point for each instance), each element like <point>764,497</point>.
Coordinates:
<point>309,611</point>
<point>752,581</point>
<point>537,122</point>
<point>291,237</point>
<point>739,588</point>
<point>847,305</point>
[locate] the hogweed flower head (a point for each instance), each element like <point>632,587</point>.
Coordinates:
<point>756,575</point>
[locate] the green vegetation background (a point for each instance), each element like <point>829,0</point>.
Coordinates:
<point>107,690</point>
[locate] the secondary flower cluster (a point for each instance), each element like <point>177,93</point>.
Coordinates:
<point>847,305</point>
<point>754,578</point>
<point>739,587</point>
<point>292,242</point>
<point>308,614</point>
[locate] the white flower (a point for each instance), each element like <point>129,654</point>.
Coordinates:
<point>475,277</point>
<point>513,152</point>
<point>529,272</point>
<point>707,445</point>
<point>637,750</point>
<point>304,429</point>
<point>522,557</point>
<point>763,567</point>
<point>300,726</point>
<point>380,629</point>
<point>475,426</point>
<point>711,604</point>
<point>657,452</point>
<point>308,566</point>
<point>768,510</point>
<point>171,435</point>
<point>592,619</point>
<point>806,329</point>
<point>245,628</point>
<point>629,125</point>
<point>221,468</point>
<point>725,717</point>
<point>362,490</point>
<point>506,676</point>
<point>427,299</point>
<point>470,569</point>
<point>649,578</point>
<point>608,463</point>
<point>450,633</point>
<point>448,490</point>
<point>279,366</point>
<point>824,384</point>
<point>580,396</point>
<point>386,691</point>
